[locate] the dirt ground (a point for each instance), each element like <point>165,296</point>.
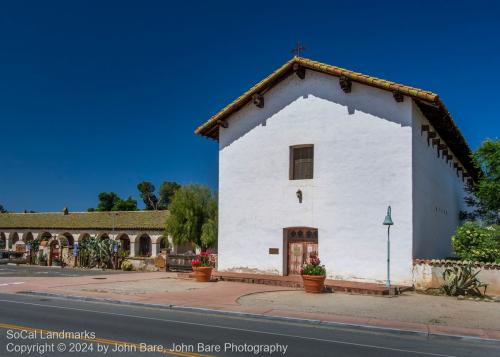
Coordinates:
<point>410,307</point>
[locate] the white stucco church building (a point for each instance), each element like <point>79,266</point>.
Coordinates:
<point>309,160</point>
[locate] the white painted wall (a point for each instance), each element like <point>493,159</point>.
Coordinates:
<point>438,196</point>
<point>362,163</point>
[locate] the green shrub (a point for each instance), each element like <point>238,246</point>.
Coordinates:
<point>477,242</point>
<point>127,266</point>
<point>42,257</point>
<point>35,245</point>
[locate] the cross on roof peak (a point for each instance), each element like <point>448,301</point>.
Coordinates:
<point>298,49</point>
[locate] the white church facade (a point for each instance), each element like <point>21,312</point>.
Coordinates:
<point>309,160</point>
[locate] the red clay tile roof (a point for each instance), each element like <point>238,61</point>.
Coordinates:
<point>429,103</point>
<point>452,263</point>
<point>128,220</point>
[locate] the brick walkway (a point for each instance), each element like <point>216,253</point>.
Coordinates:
<point>295,281</point>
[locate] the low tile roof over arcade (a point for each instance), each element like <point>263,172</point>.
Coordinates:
<point>124,220</point>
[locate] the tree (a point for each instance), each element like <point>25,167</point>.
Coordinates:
<point>107,200</point>
<point>193,217</point>
<point>160,201</point>
<point>110,201</point>
<point>484,197</point>
<point>147,192</point>
<point>167,191</point>
<point>2,209</point>
<point>126,205</point>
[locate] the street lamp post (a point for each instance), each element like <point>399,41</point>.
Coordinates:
<point>388,222</point>
<point>113,215</point>
<point>115,246</point>
<point>28,247</point>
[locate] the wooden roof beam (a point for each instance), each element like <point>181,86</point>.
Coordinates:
<point>430,135</point>
<point>299,70</point>
<point>223,123</point>
<point>398,96</point>
<point>345,84</point>
<point>258,100</point>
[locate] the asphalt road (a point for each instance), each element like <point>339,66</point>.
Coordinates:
<point>7,270</point>
<point>136,328</point>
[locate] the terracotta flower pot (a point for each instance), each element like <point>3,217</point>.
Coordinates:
<point>313,283</point>
<point>202,274</point>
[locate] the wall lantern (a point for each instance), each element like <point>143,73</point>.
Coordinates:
<point>299,195</point>
<point>388,222</point>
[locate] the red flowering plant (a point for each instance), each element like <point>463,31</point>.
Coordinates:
<point>313,267</point>
<point>202,260</point>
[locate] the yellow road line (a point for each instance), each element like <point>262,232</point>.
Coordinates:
<point>102,340</point>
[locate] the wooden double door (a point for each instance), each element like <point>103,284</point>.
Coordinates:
<point>300,243</point>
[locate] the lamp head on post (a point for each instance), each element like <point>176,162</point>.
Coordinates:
<point>299,195</point>
<point>388,222</point>
<point>388,219</point>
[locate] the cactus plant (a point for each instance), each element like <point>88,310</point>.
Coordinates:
<point>94,252</point>
<point>462,280</point>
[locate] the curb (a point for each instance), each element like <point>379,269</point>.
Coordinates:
<point>259,316</point>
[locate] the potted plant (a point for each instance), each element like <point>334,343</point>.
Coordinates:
<point>313,275</point>
<point>202,268</point>
<point>42,259</point>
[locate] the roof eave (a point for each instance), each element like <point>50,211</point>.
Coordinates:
<point>210,128</point>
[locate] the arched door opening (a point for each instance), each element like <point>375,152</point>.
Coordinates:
<point>70,239</point>
<point>65,240</point>
<point>27,237</point>
<point>3,241</point>
<point>145,246</point>
<point>124,243</point>
<point>103,236</point>
<point>14,237</point>
<point>83,237</point>
<point>54,252</point>
<point>164,243</point>
<point>45,236</point>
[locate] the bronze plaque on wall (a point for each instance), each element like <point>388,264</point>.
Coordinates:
<point>274,251</point>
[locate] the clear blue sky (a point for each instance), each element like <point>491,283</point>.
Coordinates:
<point>99,95</point>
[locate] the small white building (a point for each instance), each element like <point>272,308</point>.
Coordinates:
<point>309,160</point>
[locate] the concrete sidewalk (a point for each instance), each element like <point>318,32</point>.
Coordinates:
<point>409,312</point>
<point>155,288</point>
